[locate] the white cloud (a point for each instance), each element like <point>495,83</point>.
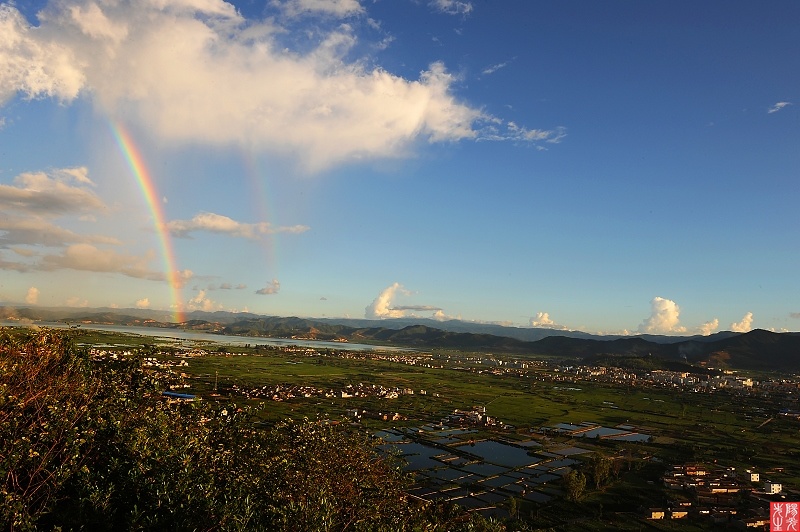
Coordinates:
<point>778,106</point>
<point>709,327</point>
<point>217,223</point>
<point>201,302</point>
<point>58,192</point>
<point>226,82</point>
<point>337,8</point>
<point>746,325</point>
<point>664,318</point>
<point>272,288</point>
<point>143,303</point>
<point>494,68</point>
<point>381,307</point>
<point>32,297</point>
<point>196,72</point>
<point>542,320</point>
<point>452,7</point>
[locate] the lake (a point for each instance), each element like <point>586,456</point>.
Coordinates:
<point>176,334</point>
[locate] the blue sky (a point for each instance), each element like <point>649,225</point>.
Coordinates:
<point>610,167</point>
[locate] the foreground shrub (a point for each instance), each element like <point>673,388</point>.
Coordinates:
<point>93,445</point>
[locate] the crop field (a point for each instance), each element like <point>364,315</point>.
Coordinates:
<point>738,431</point>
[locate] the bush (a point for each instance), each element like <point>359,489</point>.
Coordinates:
<point>93,445</point>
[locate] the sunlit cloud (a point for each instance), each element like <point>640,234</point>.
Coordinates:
<point>198,73</point>
<point>272,287</point>
<point>143,303</point>
<point>383,306</point>
<point>217,223</point>
<point>709,327</point>
<point>32,297</point>
<point>36,231</point>
<point>201,302</point>
<point>54,193</point>
<point>542,320</point>
<point>745,325</point>
<point>664,318</point>
<point>86,257</point>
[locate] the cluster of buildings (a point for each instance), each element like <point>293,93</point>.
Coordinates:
<point>722,495</point>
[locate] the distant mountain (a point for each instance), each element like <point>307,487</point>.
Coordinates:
<point>758,349</point>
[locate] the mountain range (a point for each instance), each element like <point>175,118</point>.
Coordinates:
<point>755,350</point>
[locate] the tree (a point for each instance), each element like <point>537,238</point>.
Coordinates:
<point>599,469</point>
<point>574,484</point>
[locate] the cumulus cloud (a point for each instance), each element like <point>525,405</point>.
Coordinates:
<point>54,193</point>
<point>664,318</point>
<point>778,106</point>
<point>196,72</point>
<point>201,302</point>
<point>337,8</point>
<point>542,320</point>
<point>382,306</point>
<point>272,288</point>
<point>217,223</point>
<point>708,327</point>
<point>452,7</point>
<point>143,303</point>
<point>746,325</point>
<point>32,297</point>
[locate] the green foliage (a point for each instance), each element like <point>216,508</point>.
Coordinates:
<point>599,468</point>
<point>88,444</point>
<point>574,484</point>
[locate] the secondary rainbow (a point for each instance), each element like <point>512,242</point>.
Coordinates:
<point>139,169</point>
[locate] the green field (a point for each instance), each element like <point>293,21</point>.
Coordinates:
<point>718,427</point>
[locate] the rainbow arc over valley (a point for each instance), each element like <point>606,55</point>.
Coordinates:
<point>138,168</point>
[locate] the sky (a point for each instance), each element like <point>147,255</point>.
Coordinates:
<point>614,167</point>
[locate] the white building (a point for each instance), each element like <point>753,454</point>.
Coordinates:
<point>772,488</point>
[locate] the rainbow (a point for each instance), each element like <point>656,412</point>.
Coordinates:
<point>136,163</point>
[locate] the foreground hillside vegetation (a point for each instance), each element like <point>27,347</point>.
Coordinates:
<point>92,444</point>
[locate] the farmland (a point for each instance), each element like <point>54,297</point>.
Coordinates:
<point>740,428</point>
